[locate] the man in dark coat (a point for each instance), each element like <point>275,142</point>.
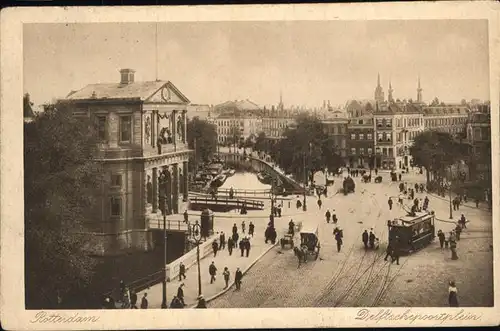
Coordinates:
<point>251,229</point>
<point>235,238</point>
<point>400,177</point>
<point>238,275</point>
<point>144,301</point>
<point>247,246</point>
<point>389,202</point>
<point>133,299</point>
<point>212,270</point>
<point>186,218</point>
<point>291,227</point>
<point>371,240</point>
<point>395,251</point>
<point>458,231</point>
<point>338,238</point>
<point>215,247</point>
<point>235,228</point>
<point>180,294</point>
<point>364,238</point>
<point>401,186</point>
<point>230,246</point>
<point>182,271</point>
<point>222,239</point>
<point>388,251</point>
<point>328,215</point>
<point>441,238</point>
<point>242,246</point>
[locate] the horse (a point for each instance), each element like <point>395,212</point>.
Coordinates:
<point>301,254</point>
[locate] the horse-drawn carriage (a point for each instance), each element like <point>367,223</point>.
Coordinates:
<point>287,239</point>
<point>394,176</point>
<point>378,179</point>
<point>348,185</point>
<point>309,244</point>
<point>367,178</point>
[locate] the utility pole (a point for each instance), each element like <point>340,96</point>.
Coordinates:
<point>164,283</point>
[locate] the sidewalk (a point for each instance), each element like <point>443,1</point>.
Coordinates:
<point>222,260</point>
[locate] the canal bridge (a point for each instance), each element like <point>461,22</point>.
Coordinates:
<point>224,204</point>
<point>258,165</point>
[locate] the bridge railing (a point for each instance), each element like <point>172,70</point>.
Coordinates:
<point>228,202</point>
<point>156,222</point>
<point>240,192</point>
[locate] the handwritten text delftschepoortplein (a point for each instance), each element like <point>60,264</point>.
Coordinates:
<point>378,315</point>
<point>44,317</point>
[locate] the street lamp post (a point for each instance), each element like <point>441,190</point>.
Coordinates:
<point>197,239</point>
<point>449,191</point>
<point>304,206</point>
<point>164,282</point>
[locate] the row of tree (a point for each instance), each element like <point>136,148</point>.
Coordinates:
<point>304,147</point>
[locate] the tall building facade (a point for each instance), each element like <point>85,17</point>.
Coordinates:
<point>144,155</point>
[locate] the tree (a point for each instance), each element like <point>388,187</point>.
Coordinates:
<point>202,137</point>
<point>436,151</point>
<point>62,188</point>
<point>27,109</point>
<point>306,144</point>
<point>261,142</point>
<point>435,102</point>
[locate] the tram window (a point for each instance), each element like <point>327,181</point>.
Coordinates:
<point>426,226</point>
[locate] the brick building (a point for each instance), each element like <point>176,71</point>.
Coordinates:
<point>360,141</point>
<point>144,155</point>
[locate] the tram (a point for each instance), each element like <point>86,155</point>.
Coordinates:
<point>411,233</point>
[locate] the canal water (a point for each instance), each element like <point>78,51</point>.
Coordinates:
<point>244,181</point>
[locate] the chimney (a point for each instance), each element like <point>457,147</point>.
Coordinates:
<point>127,76</point>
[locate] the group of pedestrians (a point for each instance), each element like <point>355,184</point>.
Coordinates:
<point>329,216</point>
<point>226,274</point>
<point>370,241</point>
<point>127,298</point>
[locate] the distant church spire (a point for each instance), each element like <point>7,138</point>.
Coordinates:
<point>419,91</point>
<point>379,93</point>
<point>389,96</point>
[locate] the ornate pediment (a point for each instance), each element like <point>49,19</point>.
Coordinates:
<point>168,93</point>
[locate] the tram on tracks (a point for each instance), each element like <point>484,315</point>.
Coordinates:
<point>412,233</point>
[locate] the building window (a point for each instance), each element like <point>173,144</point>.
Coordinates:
<point>388,123</point>
<point>380,136</point>
<point>360,122</point>
<point>102,128</point>
<point>388,137</point>
<point>116,206</point>
<point>353,150</point>
<point>353,136</point>
<point>361,136</point>
<point>379,122</point>
<point>116,180</point>
<point>125,129</point>
<point>369,136</point>
<point>384,151</point>
<point>361,151</point>
<point>370,151</point>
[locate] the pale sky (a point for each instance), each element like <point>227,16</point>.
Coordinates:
<point>309,61</point>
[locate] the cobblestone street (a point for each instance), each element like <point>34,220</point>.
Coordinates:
<point>355,277</point>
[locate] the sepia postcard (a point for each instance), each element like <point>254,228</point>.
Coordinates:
<point>330,163</point>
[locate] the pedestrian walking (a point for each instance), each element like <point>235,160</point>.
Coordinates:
<point>180,294</point>
<point>215,247</point>
<point>291,228</point>
<point>133,299</point>
<point>463,222</point>
<point>243,226</point>
<point>251,229</point>
<point>176,303</point>
<point>235,228</point>
<point>338,238</point>
<point>395,251</point>
<point>388,251</point>
<point>328,215</point>
<point>230,246</point>
<point>476,201</point>
<point>458,231</point>
<point>222,239</point>
<point>242,246</point>
<point>452,294</point>
<point>226,275</point>
<point>389,202</point>
<point>371,239</point>
<point>416,187</point>
<point>453,248</point>
<point>364,239</point>
<point>144,301</point>
<point>441,237</point>
<point>400,176</point>
<point>212,270</point>
<point>335,219</point>
<point>236,236</point>
<point>186,218</point>
<point>319,203</point>
<point>238,275</point>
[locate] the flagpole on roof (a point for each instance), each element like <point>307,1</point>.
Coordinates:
<point>156,50</point>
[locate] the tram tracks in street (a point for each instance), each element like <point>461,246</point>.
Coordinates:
<point>387,285</point>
